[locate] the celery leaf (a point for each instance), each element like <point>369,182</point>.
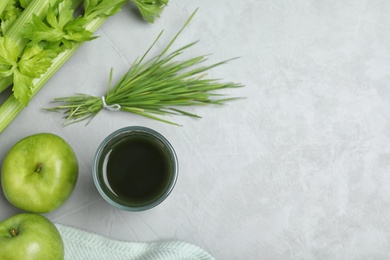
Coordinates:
<point>35,61</point>
<point>65,14</point>
<point>38,31</point>
<point>150,9</point>
<point>59,27</point>
<point>24,3</point>
<point>8,56</point>
<point>22,88</point>
<point>101,8</point>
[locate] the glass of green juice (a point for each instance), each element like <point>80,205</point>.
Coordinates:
<point>135,168</point>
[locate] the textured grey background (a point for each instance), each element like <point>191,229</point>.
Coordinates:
<point>297,170</point>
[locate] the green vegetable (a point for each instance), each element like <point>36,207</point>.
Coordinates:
<point>33,62</point>
<point>57,18</point>
<point>56,14</point>
<point>150,9</point>
<point>59,28</point>
<point>9,11</point>
<point>152,88</point>
<point>3,5</point>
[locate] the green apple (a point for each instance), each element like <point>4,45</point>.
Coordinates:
<point>30,236</point>
<point>39,173</point>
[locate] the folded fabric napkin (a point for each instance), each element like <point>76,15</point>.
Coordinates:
<point>80,244</point>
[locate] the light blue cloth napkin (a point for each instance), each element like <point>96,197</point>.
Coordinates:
<point>80,244</point>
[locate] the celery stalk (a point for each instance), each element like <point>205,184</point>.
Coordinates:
<point>38,8</point>
<point>11,108</point>
<point>5,83</point>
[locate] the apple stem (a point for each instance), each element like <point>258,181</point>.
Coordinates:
<point>13,232</point>
<point>39,167</point>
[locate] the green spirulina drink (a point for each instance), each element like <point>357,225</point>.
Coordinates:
<point>135,168</point>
